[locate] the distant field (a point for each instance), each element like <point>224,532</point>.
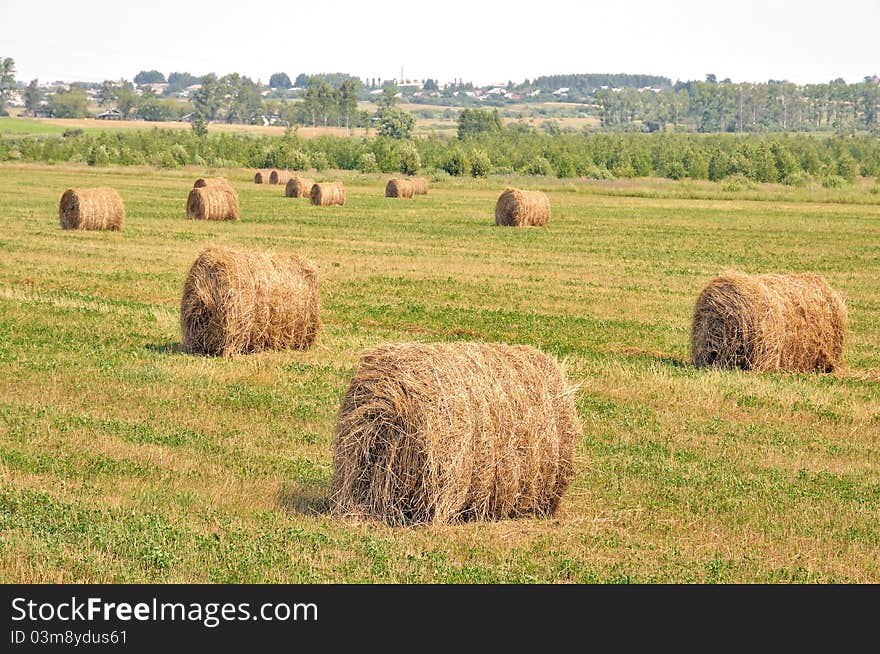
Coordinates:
<point>123,459</point>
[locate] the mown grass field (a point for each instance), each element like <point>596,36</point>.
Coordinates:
<point>124,459</point>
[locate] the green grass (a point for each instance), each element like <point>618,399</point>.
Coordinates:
<point>10,126</point>
<point>123,459</point>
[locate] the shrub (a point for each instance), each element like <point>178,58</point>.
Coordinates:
<point>367,163</point>
<point>537,166</point>
<point>833,181</point>
<point>410,161</point>
<point>481,164</point>
<point>455,163</point>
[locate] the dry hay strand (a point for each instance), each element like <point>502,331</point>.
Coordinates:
<point>212,203</point>
<point>794,323</point>
<point>237,302</point>
<point>204,182</point>
<point>297,187</point>
<point>445,432</point>
<point>91,208</point>
<point>420,185</point>
<point>279,176</point>
<point>327,193</point>
<point>261,177</point>
<point>518,208</point>
<point>399,188</point>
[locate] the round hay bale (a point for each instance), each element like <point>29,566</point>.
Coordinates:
<point>327,193</point>
<point>518,208</point>
<point>297,187</point>
<point>203,182</point>
<point>212,203</point>
<point>261,177</point>
<point>795,323</point>
<point>420,185</point>
<point>91,208</point>
<point>399,188</point>
<point>445,432</point>
<point>279,176</point>
<point>236,302</point>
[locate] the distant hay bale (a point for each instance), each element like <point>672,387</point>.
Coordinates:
<point>445,432</point>
<point>327,193</point>
<point>204,182</point>
<point>420,185</point>
<point>261,177</point>
<point>399,188</point>
<point>237,302</point>
<point>518,208</point>
<point>794,323</point>
<point>212,203</point>
<point>91,208</point>
<point>279,176</point>
<point>297,187</point>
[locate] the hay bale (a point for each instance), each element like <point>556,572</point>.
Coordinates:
<point>261,177</point>
<point>279,176</point>
<point>212,203</point>
<point>204,182</point>
<point>420,185</point>
<point>237,302</point>
<point>327,193</point>
<point>522,208</point>
<point>443,432</point>
<point>399,188</point>
<point>91,208</point>
<point>297,187</point>
<point>795,323</point>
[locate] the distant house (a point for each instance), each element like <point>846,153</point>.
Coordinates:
<point>110,114</point>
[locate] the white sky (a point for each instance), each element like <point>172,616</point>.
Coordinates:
<point>483,42</point>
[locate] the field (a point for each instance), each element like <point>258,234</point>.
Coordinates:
<point>123,459</point>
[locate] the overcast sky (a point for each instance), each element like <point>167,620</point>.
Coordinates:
<point>745,40</point>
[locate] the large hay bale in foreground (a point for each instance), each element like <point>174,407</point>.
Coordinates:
<point>237,302</point>
<point>91,208</point>
<point>518,208</point>
<point>443,432</point>
<point>205,182</point>
<point>794,323</point>
<point>399,188</point>
<point>279,176</point>
<point>420,185</point>
<point>212,203</point>
<point>327,193</point>
<point>297,187</point>
<point>261,177</point>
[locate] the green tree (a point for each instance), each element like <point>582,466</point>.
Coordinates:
<point>69,104</point>
<point>7,79</point>
<point>107,92</point>
<point>280,81</point>
<point>33,96</point>
<point>348,103</point>
<point>207,100</point>
<point>149,77</point>
<point>396,123</point>
<point>388,98</point>
<point>477,121</point>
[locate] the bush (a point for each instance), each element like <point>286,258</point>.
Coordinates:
<point>833,181</point>
<point>455,163</point>
<point>736,182</point>
<point>410,161</point>
<point>367,163</point>
<point>319,161</point>
<point>481,164</point>
<point>537,166</point>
